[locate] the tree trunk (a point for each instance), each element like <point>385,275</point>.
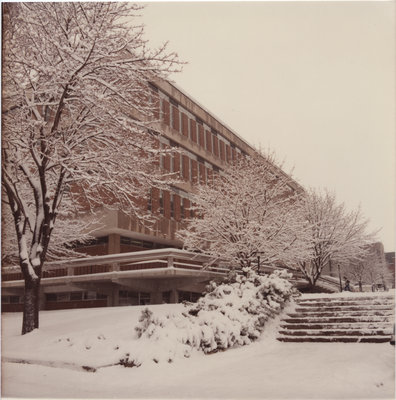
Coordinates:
<point>31,306</point>
<point>311,287</point>
<point>360,286</point>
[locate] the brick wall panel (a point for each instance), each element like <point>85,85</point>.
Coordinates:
<point>233,154</point>
<point>210,175</point>
<point>208,141</point>
<point>166,204</point>
<point>184,126</point>
<point>186,203</point>
<point>228,153</point>
<point>193,128</point>
<point>175,114</point>
<point>201,173</point>
<point>176,200</point>
<point>222,150</point>
<point>215,146</point>
<point>155,101</point>
<point>176,157</point>
<point>155,200</point>
<point>201,135</point>
<point>194,171</point>
<point>186,167</point>
<point>166,112</point>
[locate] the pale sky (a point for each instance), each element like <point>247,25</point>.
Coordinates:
<point>312,81</point>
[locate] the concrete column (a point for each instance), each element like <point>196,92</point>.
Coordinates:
<point>113,300</point>
<point>114,245</point>
<point>174,297</point>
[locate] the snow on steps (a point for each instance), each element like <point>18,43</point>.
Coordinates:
<point>338,318</point>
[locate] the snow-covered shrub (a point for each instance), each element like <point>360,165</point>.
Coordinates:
<point>231,313</point>
<point>236,311</point>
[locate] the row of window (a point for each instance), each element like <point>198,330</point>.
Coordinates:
<point>74,296</point>
<point>125,297</point>
<point>141,243</point>
<point>192,127</point>
<point>171,205</point>
<point>67,296</point>
<point>11,299</point>
<point>129,298</point>
<point>186,164</point>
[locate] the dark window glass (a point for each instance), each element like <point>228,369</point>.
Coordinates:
<point>51,296</point>
<point>76,295</point>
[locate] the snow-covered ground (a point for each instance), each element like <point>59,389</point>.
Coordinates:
<point>70,339</point>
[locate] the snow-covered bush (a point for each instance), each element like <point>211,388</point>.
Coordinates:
<point>230,314</point>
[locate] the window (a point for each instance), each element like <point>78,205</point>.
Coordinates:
<point>162,156</point>
<point>51,296</point>
<point>161,111</point>
<point>161,202</point>
<point>181,166</point>
<point>90,295</point>
<point>188,296</point>
<point>190,174</point>
<point>166,297</point>
<point>198,173</point>
<point>11,299</point>
<point>76,295</point>
<point>144,298</point>
<point>172,162</point>
<point>171,116</point>
<point>150,200</point>
<point>182,211</point>
<point>172,206</point>
<point>181,125</point>
<point>63,297</point>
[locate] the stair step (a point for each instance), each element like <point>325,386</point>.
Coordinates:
<point>334,332</point>
<point>343,339</point>
<point>372,299</point>
<point>345,308</point>
<point>364,319</point>
<point>337,319</point>
<point>304,313</point>
<point>309,326</point>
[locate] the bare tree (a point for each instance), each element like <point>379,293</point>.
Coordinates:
<point>76,107</point>
<point>336,234</point>
<point>249,213</point>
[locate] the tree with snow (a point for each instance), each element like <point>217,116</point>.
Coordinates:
<point>249,215</point>
<point>76,109</point>
<point>371,269</point>
<point>335,234</point>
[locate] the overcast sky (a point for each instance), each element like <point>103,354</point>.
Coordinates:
<point>313,81</point>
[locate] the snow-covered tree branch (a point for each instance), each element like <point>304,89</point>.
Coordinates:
<point>77,106</point>
<point>336,235</point>
<point>249,215</point>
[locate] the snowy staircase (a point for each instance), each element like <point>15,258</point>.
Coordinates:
<point>353,318</point>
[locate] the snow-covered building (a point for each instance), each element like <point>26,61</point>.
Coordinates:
<point>127,263</point>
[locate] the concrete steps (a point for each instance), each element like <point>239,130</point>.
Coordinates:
<point>346,319</point>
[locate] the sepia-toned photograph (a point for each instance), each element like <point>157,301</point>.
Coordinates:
<point>198,200</point>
